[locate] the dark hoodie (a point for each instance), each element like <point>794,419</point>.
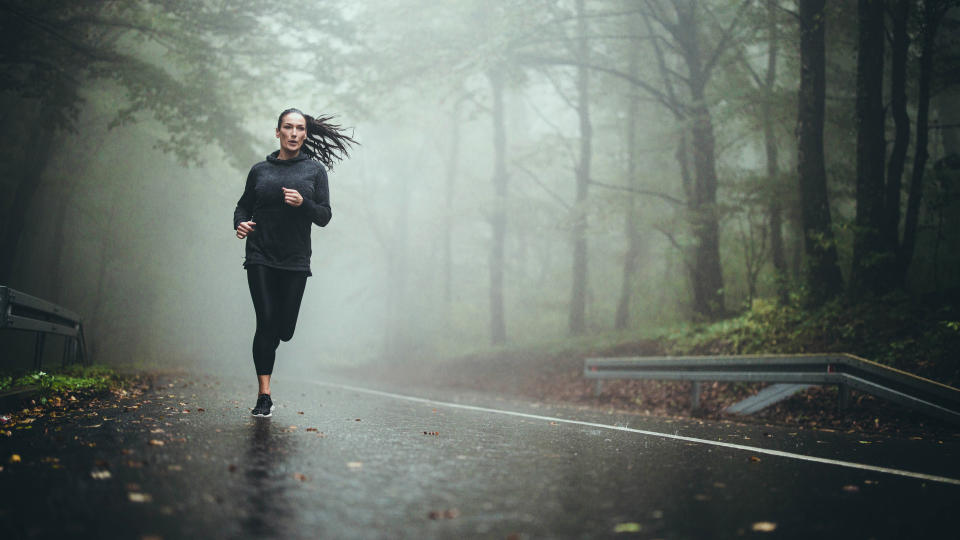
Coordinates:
<point>281,236</point>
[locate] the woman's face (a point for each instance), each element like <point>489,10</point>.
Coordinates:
<point>292,132</point>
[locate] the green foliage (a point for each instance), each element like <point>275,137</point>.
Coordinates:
<point>895,330</point>
<point>73,378</point>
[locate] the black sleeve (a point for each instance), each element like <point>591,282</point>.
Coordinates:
<point>244,210</point>
<point>318,208</point>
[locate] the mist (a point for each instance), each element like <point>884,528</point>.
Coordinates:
<point>473,216</point>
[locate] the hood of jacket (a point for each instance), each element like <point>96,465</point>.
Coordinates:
<point>274,158</point>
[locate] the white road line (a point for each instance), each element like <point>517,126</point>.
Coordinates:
<point>754,449</point>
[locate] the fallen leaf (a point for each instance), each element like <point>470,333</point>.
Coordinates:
<point>299,412</point>
<point>630,527</point>
<point>157,430</point>
<point>850,488</point>
<point>357,420</point>
<point>764,526</point>
<point>354,465</point>
<point>140,497</point>
<point>864,442</point>
<point>156,442</point>
<point>312,429</point>
<point>754,459</point>
<point>100,475</point>
<point>300,476</point>
<point>201,409</point>
<point>93,426</point>
<point>15,458</point>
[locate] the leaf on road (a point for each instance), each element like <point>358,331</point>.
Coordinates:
<point>300,476</point>
<point>864,442</point>
<point>354,465</point>
<point>100,475</point>
<point>93,426</point>
<point>755,459</point>
<point>764,526</point>
<point>156,442</point>
<point>200,409</point>
<point>357,420</point>
<point>434,433</point>
<point>449,513</point>
<point>299,412</point>
<point>312,429</point>
<point>15,458</point>
<point>629,527</point>
<point>850,488</point>
<point>140,497</point>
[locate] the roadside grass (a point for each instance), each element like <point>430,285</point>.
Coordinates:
<point>72,379</point>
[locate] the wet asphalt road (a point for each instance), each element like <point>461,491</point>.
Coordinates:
<point>358,464</point>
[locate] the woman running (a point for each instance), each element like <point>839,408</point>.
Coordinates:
<point>282,197</point>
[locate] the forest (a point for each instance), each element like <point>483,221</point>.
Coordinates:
<point>782,173</point>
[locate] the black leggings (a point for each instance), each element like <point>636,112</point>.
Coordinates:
<point>276,298</point>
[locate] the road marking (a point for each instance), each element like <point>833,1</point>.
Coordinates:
<point>754,449</point>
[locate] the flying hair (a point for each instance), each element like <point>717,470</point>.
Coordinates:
<point>326,142</point>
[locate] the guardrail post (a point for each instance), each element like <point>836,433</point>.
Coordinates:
<point>38,350</point>
<point>843,395</point>
<point>695,395</point>
<point>597,388</point>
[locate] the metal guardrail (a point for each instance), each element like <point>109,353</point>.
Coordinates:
<point>21,311</point>
<point>843,370</point>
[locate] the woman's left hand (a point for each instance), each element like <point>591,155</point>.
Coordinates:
<point>292,197</point>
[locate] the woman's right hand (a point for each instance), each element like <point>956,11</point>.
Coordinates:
<point>245,228</point>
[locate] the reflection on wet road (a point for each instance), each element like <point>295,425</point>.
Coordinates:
<point>348,463</point>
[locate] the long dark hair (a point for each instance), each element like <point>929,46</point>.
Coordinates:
<point>325,142</point>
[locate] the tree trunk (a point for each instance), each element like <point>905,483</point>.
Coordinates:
<point>870,259</point>
<point>498,219</point>
<point>773,170</point>
<point>823,278</point>
<point>708,294</point>
<point>452,161</point>
<point>578,293</point>
<point>932,13</point>
<point>901,141</point>
<point>32,166</point>
<point>630,223</point>
<point>397,326</point>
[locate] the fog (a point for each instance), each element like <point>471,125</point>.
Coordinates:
<point>130,223</point>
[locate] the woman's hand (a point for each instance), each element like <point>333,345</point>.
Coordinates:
<point>245,228</point>
<point>292,197</point>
